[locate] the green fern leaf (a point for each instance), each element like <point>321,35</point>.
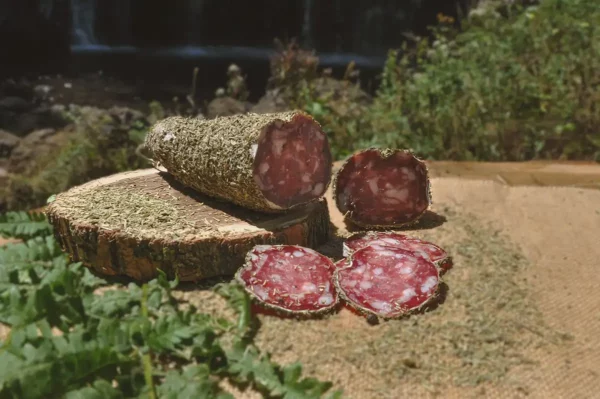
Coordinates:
<point>23,225</point>
<point>193,382</point>
<point>54,364</point>
<point>100,389</point>
<point>38,249</point>
<point>297,388</point>
<point>247,366</point>
<point>239,300</point>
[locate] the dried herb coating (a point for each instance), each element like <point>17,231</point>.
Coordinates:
<point>264,162</point>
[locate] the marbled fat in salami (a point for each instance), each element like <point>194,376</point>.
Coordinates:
<point>293,163</point>
<point>424,248</point>
<point>386,282</point>
<point>289,278</point>
<point>379,189</point>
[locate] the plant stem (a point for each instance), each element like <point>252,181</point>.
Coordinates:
<point>146,359</point>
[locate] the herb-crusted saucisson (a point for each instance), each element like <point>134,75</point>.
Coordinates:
<point>264,162</point>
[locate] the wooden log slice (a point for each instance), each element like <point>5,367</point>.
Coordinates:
<point>134,223</point>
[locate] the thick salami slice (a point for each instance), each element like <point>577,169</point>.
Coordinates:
<point>290,279</point>
<point>424,248</point>
<point>264,162</point>
<point>340,264</point>
<point>386,282</point>
<point>382,188</point>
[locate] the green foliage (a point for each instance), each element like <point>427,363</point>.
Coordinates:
<point>291,68</point>
<point>137,133</point>
<point>513,84</point>
<point>68,339</point>
<point>23,225</point>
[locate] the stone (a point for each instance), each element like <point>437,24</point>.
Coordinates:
<point>8,142</point>
<point>15,104</point>
<point>225,106</point>
<point>272,101</point>
<point>36,148</point>
<point>42,91</point>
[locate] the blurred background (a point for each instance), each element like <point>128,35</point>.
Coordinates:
<point>135,38</point>
<point>466,80</point>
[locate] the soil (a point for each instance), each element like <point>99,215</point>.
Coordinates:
<point>518,316</point>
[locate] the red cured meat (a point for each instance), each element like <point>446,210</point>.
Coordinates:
<point>424,248</point>
<point>293,162</point>
<point>289,279</point>
<point>382,188</point>
<point>386,282</point>
<point>340,264</point>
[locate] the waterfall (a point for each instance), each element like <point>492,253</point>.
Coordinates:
<point>83,15</point>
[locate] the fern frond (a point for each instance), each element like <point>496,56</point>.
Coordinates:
<point>100,389</point>
<point>24,225</point>
<point>38,249</point>
<point>193,382</point>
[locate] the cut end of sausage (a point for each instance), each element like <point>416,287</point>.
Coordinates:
<point>382,188</point>
<point>289,279</point>
<point>292,162</point>
<point>428,250</point>
<point>386,282</point>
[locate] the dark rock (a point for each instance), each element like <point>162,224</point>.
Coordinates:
<point>36,148</point>
<point>272,101</point>
<point>344,98</point>
<point>8,142</point>
<point>16,104</point>
<point>39,118</point>
<point>13,88</point>
<point>225,106</point>
<point>42,92</point>
<point>335,89</point>
<point>126,116</point>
